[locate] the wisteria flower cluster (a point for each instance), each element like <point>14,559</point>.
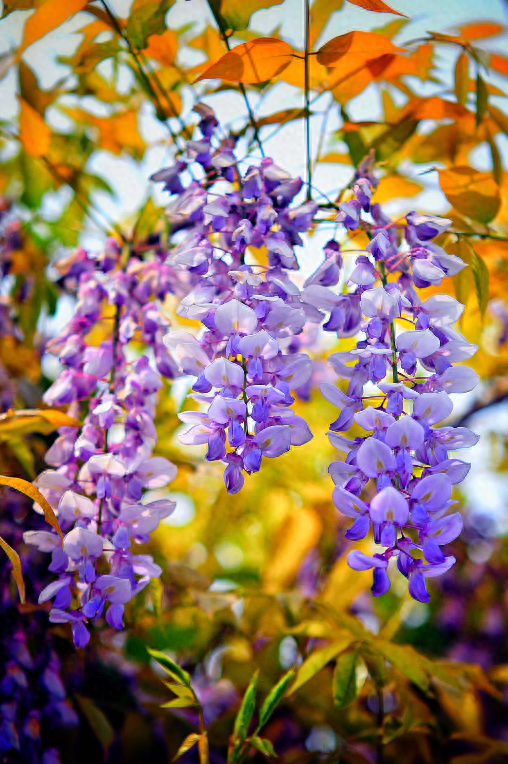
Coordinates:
<point>246,360</point>
<point>404,363</point>
<point>102,469</point>
<point>246,364</point>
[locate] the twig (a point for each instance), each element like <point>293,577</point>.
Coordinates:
<point>225,39</point>
<point>307,101</point>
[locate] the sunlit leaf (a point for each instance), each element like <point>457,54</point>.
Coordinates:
<point>462,78</point>
<point>16,568</point>
<point>481,281</point>
<point>244,716</point>
<point>187,744</point>
<point>171,667</point>
<point>359,47</point>
<point>97,720</point>
<point>472,193</point>
<point>478,30</point>
<point>262,745</point>
<point>275,696</point>
<point>47,17</point>
<point>34,133</point>
<point>162,47</point>
<point>146,17</point>
<point>375,5</point>
<point>31,491</point>
<point>482,98</point>
<point>24,421</point>
<point>255,61</point>
<point>236,13</point>
<point>406,660</point>
<point>499,63</point>
<point>344,679</point>
<point>318,660</point>
<point>320,14</point>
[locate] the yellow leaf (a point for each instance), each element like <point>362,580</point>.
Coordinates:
<point>162,47</point>
<point>396,187</point>
<point>358,47</point>
<point>34,133</point>
<point>31,491</point>
<point>375,5</point>
<point>24,421</point>
<point>16,568</point>
<point>47,17</point>
<point>300,532</point>
<point>474,194</point>
<point>252,62</point>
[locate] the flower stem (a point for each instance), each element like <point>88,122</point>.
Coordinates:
<point>307,101</point>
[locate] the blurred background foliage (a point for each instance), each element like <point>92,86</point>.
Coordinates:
<point>95,96</point>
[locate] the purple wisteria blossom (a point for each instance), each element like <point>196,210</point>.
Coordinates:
<point>102,469</point>
<point>397,479</point>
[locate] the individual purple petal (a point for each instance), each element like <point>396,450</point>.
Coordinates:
<point>373,419</point>
<point>374,458</point>
<point>432,407</point>
<point>273,441</point>
<point>360,561</point>
<point>379,302</point>
<point>234,317</point>
<point>359,529</point>
<point>406,432</point>
<point>389,506</point>
<point>433,491</point>
<point>381,582</point>
<point>458,379</point>
<point>347,503</point>
<point>421,343</point>
<point>417,588</point>
<point>224,373</point>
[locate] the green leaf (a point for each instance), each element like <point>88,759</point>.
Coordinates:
<point>148,218</point>
<point>187,744</point>
<point>172,668</point>
<point>179,703</point>
<point>344,679</point>
<point>235,14</point>
<point>99,723</point>
<point>482,99</point>
<point>275,696</point>
<point>243,717</point>
<point>394,138</point>
<point>462,78</point>
<point>24,455</point>
<point>262,745</point>
<point>481,282</point>
<point>146,17</point>
<point>318,660</point>
<point>406,660</point>
<point>16,568</point>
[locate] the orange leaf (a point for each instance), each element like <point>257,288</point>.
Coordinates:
<point>162,47</point>
<point>375,5</point>
<point>31,491</point>
<point>479,30</point>
<point>34,133</point>
<point>16,568</point>
<point>474,194</point>
<point>255,61</point>
<point>359,47</point>
<point>499,63</point>
<point>47,17</point>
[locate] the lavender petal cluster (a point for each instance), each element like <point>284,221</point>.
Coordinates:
<point>101,470</point>
<point>246,359</point>
<point>397,478</point>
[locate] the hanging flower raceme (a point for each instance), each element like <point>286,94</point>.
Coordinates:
<point>102,469</point>
<point>403,362</point>
<point>245,360</point>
